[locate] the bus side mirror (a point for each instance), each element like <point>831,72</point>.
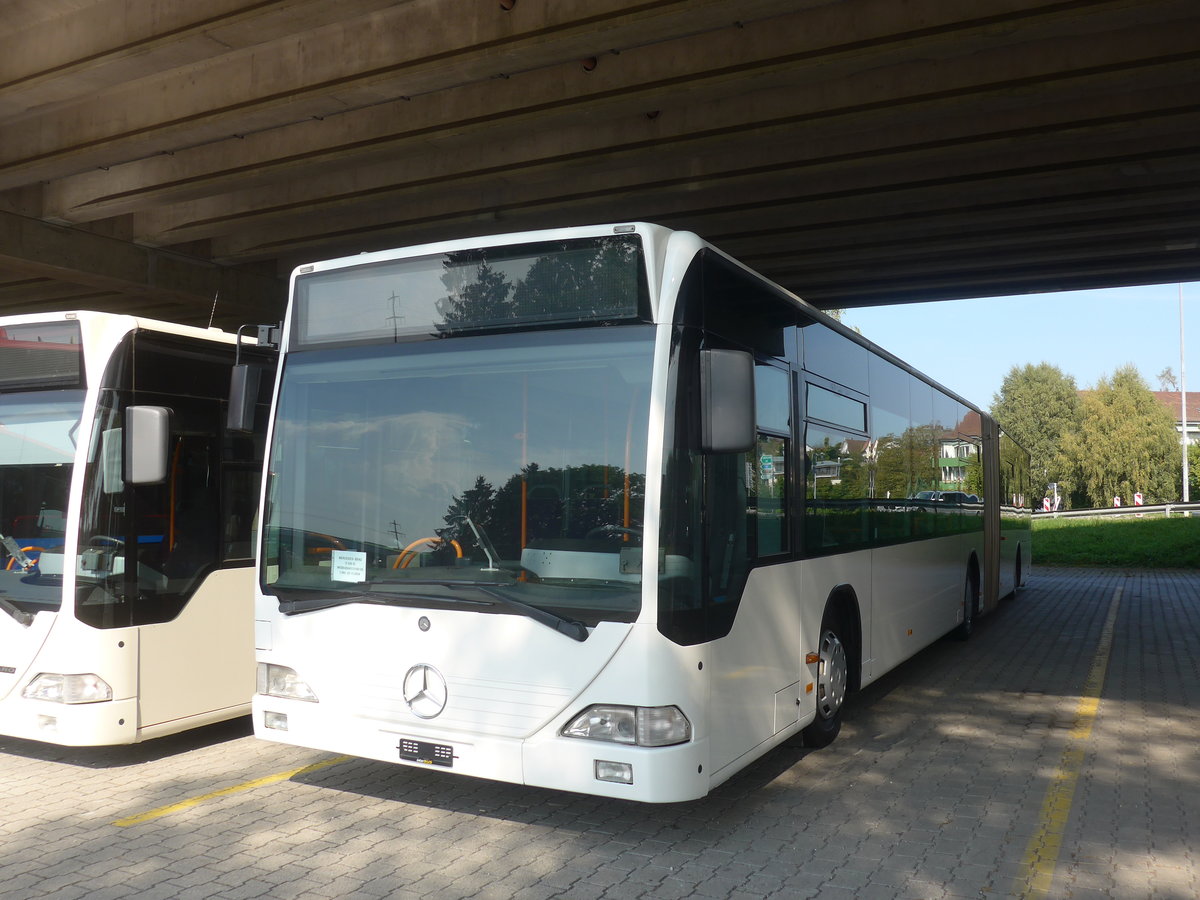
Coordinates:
<point>727,401</point>
<point>244,379</point>
<point>147,437</point>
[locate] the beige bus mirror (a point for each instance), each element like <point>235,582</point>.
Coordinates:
<point>147,434</point>
<point>727,401</point>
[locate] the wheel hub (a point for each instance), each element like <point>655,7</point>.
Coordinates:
<point>833,675</point>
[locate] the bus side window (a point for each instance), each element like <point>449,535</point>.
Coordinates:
<point>768,484</point>
<point>837,484</point>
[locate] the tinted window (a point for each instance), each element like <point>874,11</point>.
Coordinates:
<point>836,409</point>
<point>838,470</point>
<point>834,356</point>
<point>564,282</point>
<point>41,355</point>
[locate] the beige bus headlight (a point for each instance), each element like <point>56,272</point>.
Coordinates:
<point>280,681</point>
<point>56,688</point>
<point>643,726</point>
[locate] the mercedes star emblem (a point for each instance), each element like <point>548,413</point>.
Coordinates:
<point>425,691</point>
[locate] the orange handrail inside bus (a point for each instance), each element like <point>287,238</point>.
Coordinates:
<point>12,560</point>
<point>410,551</point>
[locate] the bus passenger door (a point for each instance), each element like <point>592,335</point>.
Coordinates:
<point>756,666</point>
<point>196,633</point>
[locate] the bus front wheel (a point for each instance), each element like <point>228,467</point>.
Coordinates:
<point>833,681</point>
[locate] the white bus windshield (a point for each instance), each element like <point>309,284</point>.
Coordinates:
<point>485,472</point>
<point>38,431</point>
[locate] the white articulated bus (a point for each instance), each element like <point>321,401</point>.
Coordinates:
<point>602,510</point>
<point>126,516</point>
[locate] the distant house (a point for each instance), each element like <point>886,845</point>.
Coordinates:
<point>1170,399</point>
<point>956,450</point>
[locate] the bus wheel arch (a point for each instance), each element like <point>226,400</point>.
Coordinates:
<point>839,667</point>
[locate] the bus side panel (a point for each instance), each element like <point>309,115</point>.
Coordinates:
<point>760,658</point>
<point>820,576</point>
<point>994,551</point>
<point>918,595</point>
<point>202,661</point>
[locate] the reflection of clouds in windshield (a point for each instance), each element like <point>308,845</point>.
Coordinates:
<point>394,473</point>
<point>428,458</point>
<point>37,442</point>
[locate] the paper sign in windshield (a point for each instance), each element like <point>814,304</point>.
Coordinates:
<point>348,565</point>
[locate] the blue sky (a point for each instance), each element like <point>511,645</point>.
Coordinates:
<point>970,345</point>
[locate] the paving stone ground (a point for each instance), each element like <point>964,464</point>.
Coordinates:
<point>936,788</point>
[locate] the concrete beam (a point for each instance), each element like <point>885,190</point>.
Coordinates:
<point>651,183</point>
<point>187,285</point>
<point>410,48</point>
<point>84,49</point>
<point>704,144</point>
<point>793,52</point>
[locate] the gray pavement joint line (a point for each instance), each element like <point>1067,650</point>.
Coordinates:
<point>1041,856</point>
<point>224,792</point>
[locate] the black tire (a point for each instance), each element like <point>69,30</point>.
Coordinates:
<point>833,683</point>
<point>967,625</point>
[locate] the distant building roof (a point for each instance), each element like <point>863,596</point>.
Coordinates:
<point>1170,399</point>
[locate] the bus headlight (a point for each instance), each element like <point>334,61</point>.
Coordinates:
<point>56,688</point>
<point>643,726</point>
<point>280,681</point>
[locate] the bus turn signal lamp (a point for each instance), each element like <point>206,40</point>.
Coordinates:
<point>56,688</point>
<point>642,726</point>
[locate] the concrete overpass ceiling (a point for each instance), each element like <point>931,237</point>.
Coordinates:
<point>155,156</point>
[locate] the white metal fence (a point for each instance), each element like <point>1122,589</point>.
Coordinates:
<point>1159,510</point>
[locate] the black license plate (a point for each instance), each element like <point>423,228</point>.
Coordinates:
<point>428,754</point>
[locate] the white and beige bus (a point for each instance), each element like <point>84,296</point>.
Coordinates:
<point>600,509</point>
<point>126,514</point>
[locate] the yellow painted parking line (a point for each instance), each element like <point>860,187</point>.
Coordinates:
<point>225,792</point>
<point>1041,856</point>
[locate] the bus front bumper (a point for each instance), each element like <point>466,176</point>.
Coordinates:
<point>548,760</point>
<point>70,724</point>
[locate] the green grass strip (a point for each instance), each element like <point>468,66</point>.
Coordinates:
<point>1134,543</point>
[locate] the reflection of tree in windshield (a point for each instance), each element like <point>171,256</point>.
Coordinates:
<point>561,280</point>
<point>539,504</point>
<point>476,296</point>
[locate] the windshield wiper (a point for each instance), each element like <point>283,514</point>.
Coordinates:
<point>572,628</point>
<point>22,617</point>
<point>323,600</point>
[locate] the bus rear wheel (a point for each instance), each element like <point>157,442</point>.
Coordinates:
<point>833,681</point>
<point>967,625</point>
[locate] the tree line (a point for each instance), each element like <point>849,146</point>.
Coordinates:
<point>1113,440</point>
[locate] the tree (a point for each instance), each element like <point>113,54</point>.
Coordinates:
<point>1167,380</point>
<point>1126,442</point>
<point>1193,452</point>
<point>1037,405</point>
